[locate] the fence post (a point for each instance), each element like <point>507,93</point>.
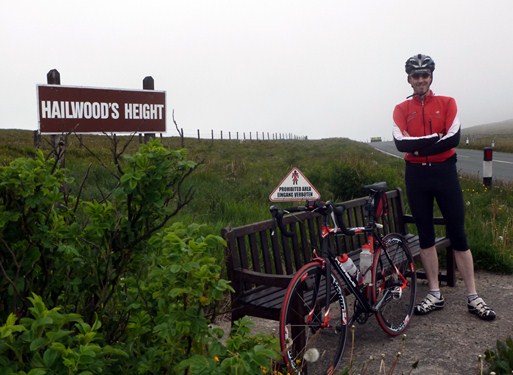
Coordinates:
<point>53,77</point>
<point>487,166</point>
<point>59,143</point>
<point>148,84</point>
<point>148,137</point>
<point>198,135</point>
<point>37,139</point>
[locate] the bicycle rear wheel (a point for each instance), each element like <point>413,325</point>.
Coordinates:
<point>394,284</point>
<point>313,335</point>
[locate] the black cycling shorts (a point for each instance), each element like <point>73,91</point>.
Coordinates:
<point>424,184</point>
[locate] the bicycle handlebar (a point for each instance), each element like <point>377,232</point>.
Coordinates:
<point>278,213</point>
<point>329,208</point>
<point>324,208</point>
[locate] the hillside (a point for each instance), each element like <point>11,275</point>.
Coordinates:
<point>493,129</point>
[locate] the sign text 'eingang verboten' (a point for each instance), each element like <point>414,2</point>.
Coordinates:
<point>83,110</point>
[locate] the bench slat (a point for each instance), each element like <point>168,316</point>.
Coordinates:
<point>255,253</point>
<point>266,254</point>
<point>278,263</point>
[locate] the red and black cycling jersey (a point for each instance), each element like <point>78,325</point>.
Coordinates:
<point>432,126</point>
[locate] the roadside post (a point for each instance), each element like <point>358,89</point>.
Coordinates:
<point>487,166</point>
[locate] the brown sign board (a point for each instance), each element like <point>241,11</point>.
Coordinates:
<point>63,109</point>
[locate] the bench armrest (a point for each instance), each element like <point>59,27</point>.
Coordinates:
<point>260,278</point>
<point>408,219</point>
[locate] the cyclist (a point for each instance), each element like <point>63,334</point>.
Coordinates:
<point>427,129</point>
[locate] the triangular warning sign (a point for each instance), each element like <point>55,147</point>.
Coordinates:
<point>294,187</point>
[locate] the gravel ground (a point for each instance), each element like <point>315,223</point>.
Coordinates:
<point>448,341</point>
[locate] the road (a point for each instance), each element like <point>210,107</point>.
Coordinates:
<point>470,162</point>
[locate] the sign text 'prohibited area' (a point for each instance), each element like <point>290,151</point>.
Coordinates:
<point>294,187</point>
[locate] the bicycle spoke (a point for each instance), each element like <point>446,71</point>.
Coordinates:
<point>312,335</point>
<point>394,284</point>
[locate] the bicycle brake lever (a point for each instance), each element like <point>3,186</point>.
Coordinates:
<point>277,215</point>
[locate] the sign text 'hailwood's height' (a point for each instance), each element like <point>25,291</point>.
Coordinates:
<point>83,110</point>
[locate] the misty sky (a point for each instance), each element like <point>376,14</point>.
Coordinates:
<point>311,68</point>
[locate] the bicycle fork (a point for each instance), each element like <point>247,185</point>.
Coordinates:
<point>313,320</point>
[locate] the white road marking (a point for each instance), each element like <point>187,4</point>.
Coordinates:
<point>388,153</point>
<point>503,161</point>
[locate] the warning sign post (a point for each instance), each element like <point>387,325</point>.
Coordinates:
<point>294,187</point>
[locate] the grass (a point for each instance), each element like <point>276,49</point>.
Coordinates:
<point>234,179</point>
<point>503,143</point>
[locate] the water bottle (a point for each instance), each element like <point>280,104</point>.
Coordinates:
<point>366,263</point>
<point>350,268</point>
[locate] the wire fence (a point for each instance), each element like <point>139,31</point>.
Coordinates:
<point>191,134</point>
<point>239,136</point>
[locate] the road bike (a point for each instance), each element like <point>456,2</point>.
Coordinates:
<point>315,315</point>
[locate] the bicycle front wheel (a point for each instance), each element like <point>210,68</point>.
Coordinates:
<point>394,284</point>
<point>313,332</point>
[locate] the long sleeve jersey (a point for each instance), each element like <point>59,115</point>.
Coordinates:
<point>432,127</point>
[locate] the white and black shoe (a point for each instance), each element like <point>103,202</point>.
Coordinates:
<point>429,304</point>
<point>479,307</point>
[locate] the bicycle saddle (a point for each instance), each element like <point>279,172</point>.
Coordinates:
<point>377,186</point>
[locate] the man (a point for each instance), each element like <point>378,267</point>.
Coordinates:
<point>427,129</point>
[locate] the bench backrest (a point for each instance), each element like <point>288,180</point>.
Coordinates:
<point>261,248</point>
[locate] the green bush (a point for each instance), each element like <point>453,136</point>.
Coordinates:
<point>155,287</point>
<point>500,360</point>
<point>168,300</point>
<point>51,342</point>
<point>243,354</point>
<point>172,302</point>
<point>35,225</point>
<point>346,182</point>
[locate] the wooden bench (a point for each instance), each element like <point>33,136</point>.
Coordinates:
<point>260,261</point>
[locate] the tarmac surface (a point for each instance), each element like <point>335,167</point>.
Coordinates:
<point>448,341</point>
